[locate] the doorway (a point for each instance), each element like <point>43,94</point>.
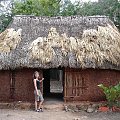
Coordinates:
<point>53,84</point>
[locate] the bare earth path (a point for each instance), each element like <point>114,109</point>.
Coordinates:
<point>6,114</point>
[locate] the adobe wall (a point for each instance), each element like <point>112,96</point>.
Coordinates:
<point>81,85</point>
<point>4,85</point>
<point>24,89</point>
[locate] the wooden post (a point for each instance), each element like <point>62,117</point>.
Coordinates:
<point>65,78</point>
<point>12,84</point>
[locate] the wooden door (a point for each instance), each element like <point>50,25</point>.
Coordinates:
<point>75,88</point>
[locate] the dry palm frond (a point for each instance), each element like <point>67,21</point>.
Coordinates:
<point>100,46</point>
<point>9,39</point>
<point>95,47</point>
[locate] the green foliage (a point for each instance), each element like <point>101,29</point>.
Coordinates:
<point>109,8</point>
<point>37,7</point>
<point>112,93</point>
<point>5,16</point>
<point>4,21</point>
<point>68,8</point>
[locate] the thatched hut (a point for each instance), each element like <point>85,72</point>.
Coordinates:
<point>74,54</point>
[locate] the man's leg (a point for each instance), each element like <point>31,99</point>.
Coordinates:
<point>35,105</point>
<point>40,104</point>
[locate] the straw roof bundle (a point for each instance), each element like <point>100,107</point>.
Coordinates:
<point>94,47</point>
<point>43,46</point>
<point>110,43</point>
<point>9,39</point>
<point>41,50</point>
<point>77,42</point>
<point>98,46</point>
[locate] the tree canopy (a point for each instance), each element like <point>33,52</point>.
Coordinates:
<point>5,14</point>
<point>37,7</point>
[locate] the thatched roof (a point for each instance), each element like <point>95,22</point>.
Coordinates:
<point>45,42</point>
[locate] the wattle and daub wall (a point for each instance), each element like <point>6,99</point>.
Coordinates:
<point>16,85</point>
<point>79,85</point>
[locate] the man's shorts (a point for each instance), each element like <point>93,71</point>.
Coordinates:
<point>38,97</point>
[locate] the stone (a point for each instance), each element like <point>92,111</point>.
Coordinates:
<point>76,110</point>
<point>83,107</point>
<point>76,119</point>
<point>95,105</point>
<point>66,108</point>
<point>90,109</point>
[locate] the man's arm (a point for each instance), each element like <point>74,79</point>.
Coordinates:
<point>35,86</point>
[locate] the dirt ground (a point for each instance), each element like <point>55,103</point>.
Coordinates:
<point>8,114</point>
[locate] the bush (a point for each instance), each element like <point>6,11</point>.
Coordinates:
<point>112,93</point>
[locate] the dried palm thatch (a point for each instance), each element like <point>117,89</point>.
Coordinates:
<point>40,49</point>
<point>9,39</point>
<point>94,47</point>
<point>98,46</point>
<point>66,42</point>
